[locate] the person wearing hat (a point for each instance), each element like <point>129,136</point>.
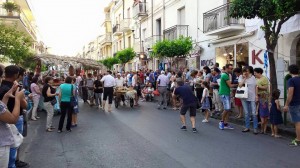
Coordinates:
<point>120,84</point>
<point>162,83</point>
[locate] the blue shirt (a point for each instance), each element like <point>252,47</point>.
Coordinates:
<point>215,80</point>
<point>186,93</point>
<point>295,83</point>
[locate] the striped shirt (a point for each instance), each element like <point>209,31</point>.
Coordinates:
<point>6,137</point>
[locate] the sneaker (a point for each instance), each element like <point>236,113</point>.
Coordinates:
<point>159,108</point>
<point>165,108</point>
<point>21,163</point>
<point>37,117</point>
<point>205,121</point>
<point>255,131</point>
<point>59,131</point>
<point>183,128</point>
<point>195,130</point>
<point>221,125</point>
<point>228,127</point>
<point>294,143</point>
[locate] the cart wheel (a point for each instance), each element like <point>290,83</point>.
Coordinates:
<point>116,102</point>
<point>131,102</point>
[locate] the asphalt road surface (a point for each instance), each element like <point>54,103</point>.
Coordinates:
<point>150,138</point>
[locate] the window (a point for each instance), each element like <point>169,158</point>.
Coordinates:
<point>181,16</point>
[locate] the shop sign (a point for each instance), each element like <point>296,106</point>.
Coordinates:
<point>255,57</point>
<point>208,62</point>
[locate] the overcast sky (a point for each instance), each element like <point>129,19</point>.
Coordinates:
<point>66,25</point>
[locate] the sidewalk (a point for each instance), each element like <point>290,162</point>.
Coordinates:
<point>284,130</point>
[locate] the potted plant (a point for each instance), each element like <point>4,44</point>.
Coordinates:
<point>10,8</point>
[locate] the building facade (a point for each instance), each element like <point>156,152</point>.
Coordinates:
<point>24,21</point>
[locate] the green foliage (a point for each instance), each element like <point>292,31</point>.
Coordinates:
<point>10,6</point>
<point>110,62</point>
<point>178,47</point>
<point>125,55</point>
<point>15,46</point>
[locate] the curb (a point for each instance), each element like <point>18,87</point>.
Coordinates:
<point>287,131</point>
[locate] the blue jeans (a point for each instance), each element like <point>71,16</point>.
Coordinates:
<point>13,151</point>
<point>249,109</point>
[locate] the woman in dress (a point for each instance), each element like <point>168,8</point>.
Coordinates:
<point>36,94</point>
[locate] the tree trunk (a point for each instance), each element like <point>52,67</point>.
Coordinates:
<point>273,73</point>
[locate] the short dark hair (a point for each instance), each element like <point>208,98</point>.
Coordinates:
<point>109,72</point>
<point>21,71</point>
<point>251,69</point>
<point>217,70</point>
<point>47,79</point>
<point>294,69</point>
<point>237,70</point>
<point>34,80</point>
<point>259,70</point>
<point>205,84</point>
<point>217,64</point>
<point>11,71</point>
<point>68,79</point>
<point>228,65</point>
<point>207,69</point>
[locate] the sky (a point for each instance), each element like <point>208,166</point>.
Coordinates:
<point>67,25</point>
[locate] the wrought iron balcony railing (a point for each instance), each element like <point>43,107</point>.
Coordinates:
<point>218,18</point>
<point>176,31</point>
<point>139,9</point>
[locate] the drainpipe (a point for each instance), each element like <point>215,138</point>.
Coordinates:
<point>123,20</point>
<point>152,33</point>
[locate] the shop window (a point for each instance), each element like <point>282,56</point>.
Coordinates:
<point>226,55</point>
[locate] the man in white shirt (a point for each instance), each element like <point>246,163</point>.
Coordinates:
<point>120,84</point>
<point>108,83</point>
<point>162,83</point>
<point>119,80</point>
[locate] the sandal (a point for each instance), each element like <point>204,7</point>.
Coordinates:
<point>277,136</point>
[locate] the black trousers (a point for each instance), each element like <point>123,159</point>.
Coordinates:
<point>108,92</point>
<point>66,109</point>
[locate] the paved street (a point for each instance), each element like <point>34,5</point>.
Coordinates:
<point>150,138</point>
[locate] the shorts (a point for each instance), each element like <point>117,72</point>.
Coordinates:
<point>192,107</point>
<point>238,102</point>
<point>226,102</point>
<point>295,113</point>
<point>138,90</point>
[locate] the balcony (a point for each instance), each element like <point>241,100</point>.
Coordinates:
<point>19,20</point>
<point>107,39</point>
<point>176,31</point>
<point>140,10</point>
<point>150,41</point>
<point>117,31</point>
<point>125,25</point>
<point>217,22</point>
<point>137,47</point>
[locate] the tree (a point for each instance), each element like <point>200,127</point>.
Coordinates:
<point>15,46</point>
<point>274,14</point>
<point>125,55</point>
<point>173,48</point>
<point>110,62</point>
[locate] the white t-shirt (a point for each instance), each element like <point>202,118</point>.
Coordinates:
<point>119,82</point>
<point>163,80</point>
<point>205,92</point>
<point>108,80</point>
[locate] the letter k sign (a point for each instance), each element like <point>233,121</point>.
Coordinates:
<point>255,57</point>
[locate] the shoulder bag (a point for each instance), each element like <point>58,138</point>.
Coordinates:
<point>242,92</point>
<point>18,137</point>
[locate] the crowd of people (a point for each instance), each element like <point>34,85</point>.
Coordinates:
<point>213,90</point>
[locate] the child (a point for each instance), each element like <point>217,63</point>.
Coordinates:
<point>275,113</point>
<point>205,101</point>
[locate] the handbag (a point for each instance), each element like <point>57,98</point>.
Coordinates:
<point>18,137</point>
<point>53,101</point>
<point>242,92</point>
<point>156,92</point>
<point>72,99</point>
